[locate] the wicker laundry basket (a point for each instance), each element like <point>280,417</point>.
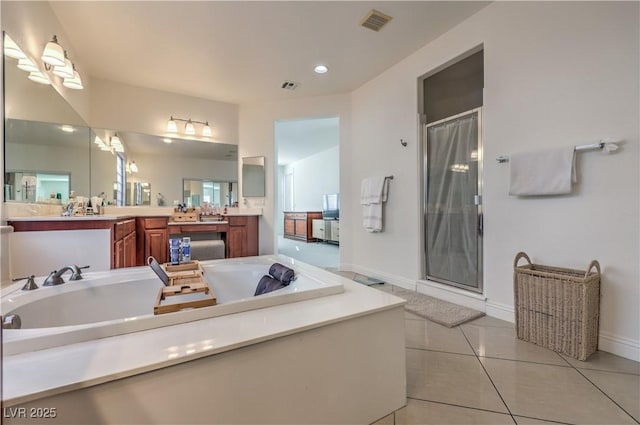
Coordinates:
<point>557,308</point>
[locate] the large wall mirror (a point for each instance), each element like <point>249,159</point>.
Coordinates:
<point>50,151</point>
<point>253,176</point>
<point>197,192</point>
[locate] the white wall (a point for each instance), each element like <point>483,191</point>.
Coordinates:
<point>257,128</point>
<point>123,107</point>
<point>556,74</point>
<point>314,176</point>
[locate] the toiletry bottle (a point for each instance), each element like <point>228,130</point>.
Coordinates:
<point>186,249</point>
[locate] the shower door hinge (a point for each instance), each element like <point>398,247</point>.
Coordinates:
<point>477,199</point>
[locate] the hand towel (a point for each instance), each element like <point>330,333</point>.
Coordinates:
<point>373,193</point>
<point>547,172</point>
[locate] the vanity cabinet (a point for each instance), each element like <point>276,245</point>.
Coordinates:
<point>242,236</point>
<point>124,244</point>
<point>299,225</point>
<point>326,230</point>
<point>152,239</point>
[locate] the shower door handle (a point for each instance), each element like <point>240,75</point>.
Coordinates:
<point>480,224</point>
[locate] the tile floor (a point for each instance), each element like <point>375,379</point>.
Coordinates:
<point>320,254</point>
<point>480,373</point>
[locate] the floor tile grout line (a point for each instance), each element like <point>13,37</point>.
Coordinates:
<point>438,351</point>
<point>522,361</point>
<point>457,405</point>
<point>604,393</point>
<point>596,386</point>
<point>490,379</point>
<point>541,419</point>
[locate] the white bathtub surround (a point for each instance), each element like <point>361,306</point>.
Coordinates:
<point>121,301</point>
<point>333,359</point>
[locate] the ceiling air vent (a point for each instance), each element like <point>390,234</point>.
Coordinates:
<point>290,85</point>
<point>375,20</point>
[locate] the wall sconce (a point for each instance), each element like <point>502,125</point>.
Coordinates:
<point>132,167</point>
<point>56,58</point>
<point>115,143</point>
<point>189,128</point>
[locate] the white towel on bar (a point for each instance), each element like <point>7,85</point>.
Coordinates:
<point>373,193</point>
<point>546,172</point>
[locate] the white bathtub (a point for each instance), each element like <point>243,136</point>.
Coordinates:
<point>121,301</point>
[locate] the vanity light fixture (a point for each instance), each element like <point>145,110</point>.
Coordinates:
<point>75,82</point>
<point>11,49</point>
<point>26,64</point>
<point>38,77</point>
<point>115,143</point>
<point>133,168</point>
<point>53,53</point>
<point>65,71</point>
<point>189,128</point>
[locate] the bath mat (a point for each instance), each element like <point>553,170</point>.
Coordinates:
<point>439,311</point>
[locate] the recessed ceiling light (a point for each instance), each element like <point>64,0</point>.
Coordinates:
<point>166,140</point>
<point>320,69</point>
<point>67,128</point>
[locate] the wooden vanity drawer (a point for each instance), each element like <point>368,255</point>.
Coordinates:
<point>155,223</point>
<point>238,221</point>
<point>123,228</point>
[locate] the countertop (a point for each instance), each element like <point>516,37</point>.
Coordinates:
<point>80,365</point>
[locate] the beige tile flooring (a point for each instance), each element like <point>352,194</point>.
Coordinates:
<point>480,373</point>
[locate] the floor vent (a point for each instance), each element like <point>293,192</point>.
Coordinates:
<point>290,85</point>
<point>375,20</point>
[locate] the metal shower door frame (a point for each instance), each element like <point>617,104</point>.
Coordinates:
<point>479,200</point>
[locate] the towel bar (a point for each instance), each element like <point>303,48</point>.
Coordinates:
<point>609,146</point>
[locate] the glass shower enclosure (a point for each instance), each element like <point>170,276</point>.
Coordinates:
<point>453,207</point>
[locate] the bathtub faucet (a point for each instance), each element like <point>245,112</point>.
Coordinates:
<point>55,277</point>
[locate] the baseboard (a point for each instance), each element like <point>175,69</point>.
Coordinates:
<point>619,346</point>
<point>500,311</point>
<point>451,294</point>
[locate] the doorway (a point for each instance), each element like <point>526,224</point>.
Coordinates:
<point>308,169</point>
<point>453,210</point>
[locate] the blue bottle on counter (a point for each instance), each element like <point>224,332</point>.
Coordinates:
<point>174,251</point>
<point>186,249</point>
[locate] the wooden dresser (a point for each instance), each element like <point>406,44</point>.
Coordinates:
<point>298,225</point>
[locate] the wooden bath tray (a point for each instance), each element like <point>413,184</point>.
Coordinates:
<point>184,279</point>
<point>186,273</point>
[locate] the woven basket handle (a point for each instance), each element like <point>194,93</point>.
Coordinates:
<point>519,256</point>
<point>592,264</point>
